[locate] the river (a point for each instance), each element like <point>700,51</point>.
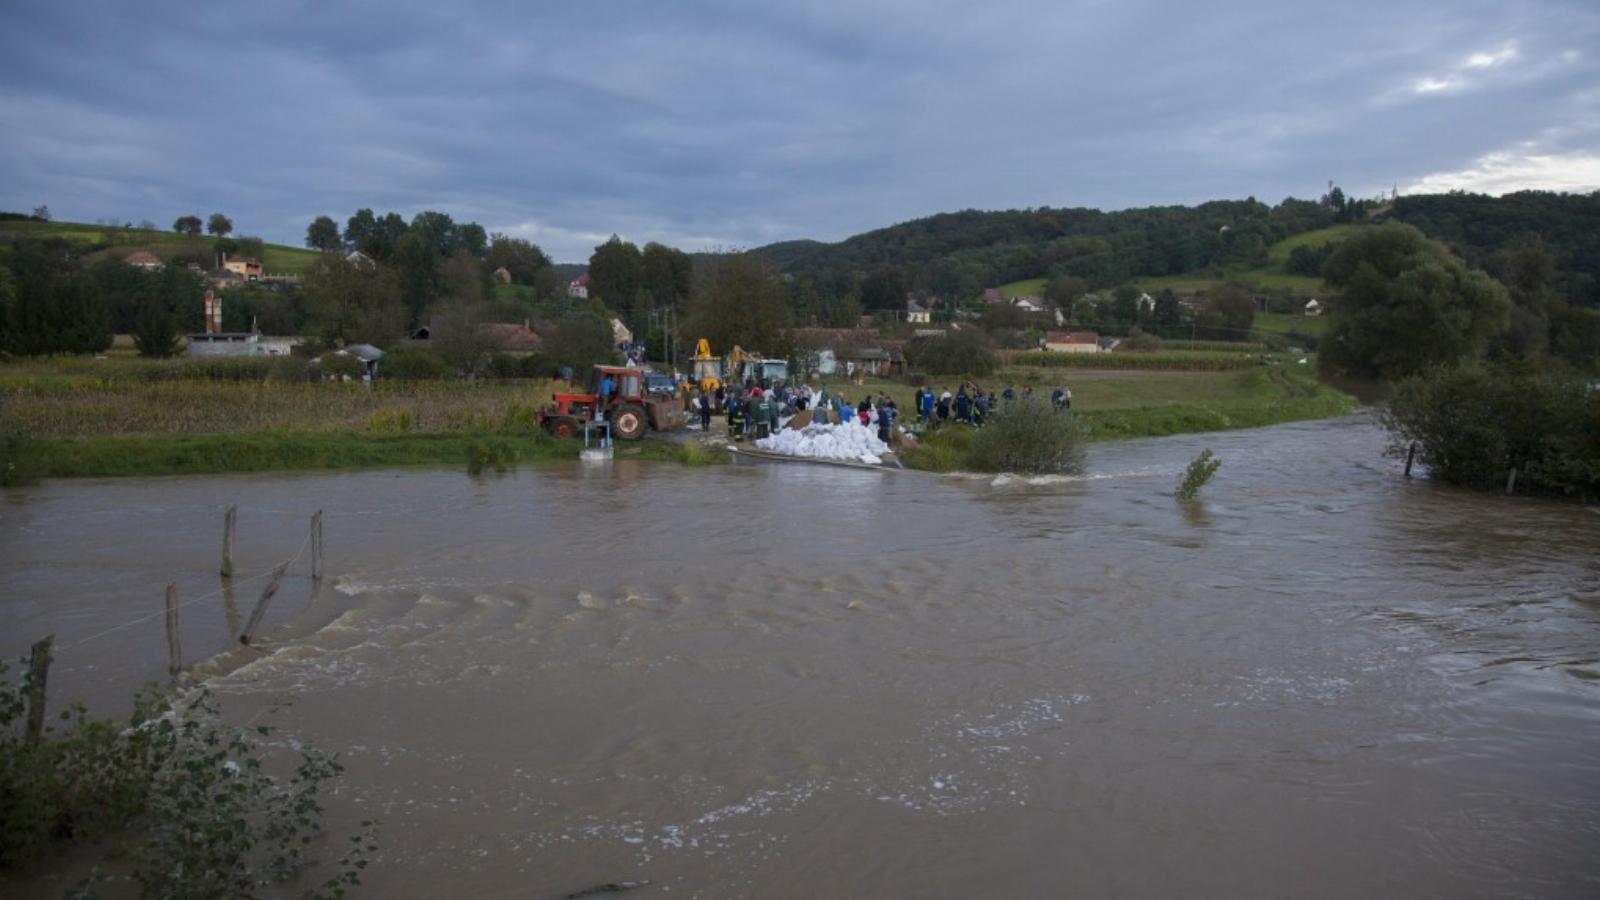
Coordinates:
<point>1322,680</point>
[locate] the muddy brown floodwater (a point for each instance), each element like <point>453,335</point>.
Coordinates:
<point>1322,681</point>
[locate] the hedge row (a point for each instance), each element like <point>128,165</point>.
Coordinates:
<point>1215,346</point>
<point>1162,360</point>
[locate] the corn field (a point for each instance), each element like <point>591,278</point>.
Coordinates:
<point>50,406</point>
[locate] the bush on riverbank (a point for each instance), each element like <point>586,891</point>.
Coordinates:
<point>1022,436</point>
<point>1472,425</point>
<point>1027,436</point>
<point>194,799</point>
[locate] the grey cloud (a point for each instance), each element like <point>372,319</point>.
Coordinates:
<point>737,124</point>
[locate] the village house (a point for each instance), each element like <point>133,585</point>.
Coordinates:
<point>247,268</point>
<point>143,259</point>
<point>1029,304</point>
<point>1072,342</point>
<point>917,313</point>
<point>359,260</point>
<point>578,288</point>
<point>1313,307</point>
<point>993,295</point>
<point>620,335</point>
<point>836,352</point>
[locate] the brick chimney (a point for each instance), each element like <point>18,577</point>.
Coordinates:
<point>213,313</point>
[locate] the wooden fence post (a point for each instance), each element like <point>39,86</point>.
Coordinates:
<point>34,684</point>
<point>228,521</point>
<point>316,546</point>
<point>230,608</point>
<point>1411,454</point>
<point>1511,480</point>
<point>261,605</point>
<point>174,648</point>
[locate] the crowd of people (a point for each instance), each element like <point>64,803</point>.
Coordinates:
<point>971,404</point>
<point>755,411</point>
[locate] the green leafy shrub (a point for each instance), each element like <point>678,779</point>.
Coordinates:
<point>1197,474</point>
<point>489,454</point>
<point>1027,436</point>
<point>1473,425</point>
<point>196,799</point>
<point>414,364</point>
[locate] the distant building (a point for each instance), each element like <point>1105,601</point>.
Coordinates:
<point>917,313</point>
<point>359,260</point>
<point>620,334</point>
<point>1147,303</point>
<point>144,260</point>
<point>1313,307</point>
<point>994,295</point>
<point>216,342</point>
<point>503,275</point>
<point>245,267</point>
<point>1072,342</point>
<point>578,288</point>
<point>1029,304</point>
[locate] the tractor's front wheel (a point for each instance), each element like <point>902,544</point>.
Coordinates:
<point>561,428</point>
<point>629,423</point>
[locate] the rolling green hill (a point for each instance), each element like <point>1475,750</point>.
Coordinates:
<point>1270,276</point>
<point>277,258</point>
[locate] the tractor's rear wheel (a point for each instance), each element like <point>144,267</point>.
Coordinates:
<point>629,423</point>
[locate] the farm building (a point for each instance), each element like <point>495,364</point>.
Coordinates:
<point>143,259</point>
<point>916,312</point>
<point>1072,342</point>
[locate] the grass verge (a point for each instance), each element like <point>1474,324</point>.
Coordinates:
<point>200,454</point>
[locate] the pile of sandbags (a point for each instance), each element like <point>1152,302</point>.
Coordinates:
<point>850,441</point>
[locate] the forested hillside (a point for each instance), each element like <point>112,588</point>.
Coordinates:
<point>957,255</point>
<point>1483,230</point>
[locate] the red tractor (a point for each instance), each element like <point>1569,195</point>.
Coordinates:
<point>629,408</point>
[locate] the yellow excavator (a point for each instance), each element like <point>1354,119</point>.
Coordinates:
<point>705,370</point>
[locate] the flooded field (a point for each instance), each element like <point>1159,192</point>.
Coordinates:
<point>1321,681</point>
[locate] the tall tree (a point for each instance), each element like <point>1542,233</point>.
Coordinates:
<point>350,304</point>
<point>359,229</point>
<point>740,299</point>
<point>1406,304</point>
<point>666,273</point>
<point>323,234</point>
<point>614,274</point>
<point>155,328</point>
<point>219,225</point>
<point>519,257</point>
<point>189,225</point>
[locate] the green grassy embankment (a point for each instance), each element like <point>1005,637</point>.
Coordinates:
<point>1160,404</point>
<point>277,259</point>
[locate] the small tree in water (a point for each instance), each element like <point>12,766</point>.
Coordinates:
<point>1197,474</point>
<point>1030,437</point>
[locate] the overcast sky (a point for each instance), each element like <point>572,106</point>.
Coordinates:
<point>735,124</point>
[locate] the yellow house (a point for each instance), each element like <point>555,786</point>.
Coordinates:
<point>245,267</point>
